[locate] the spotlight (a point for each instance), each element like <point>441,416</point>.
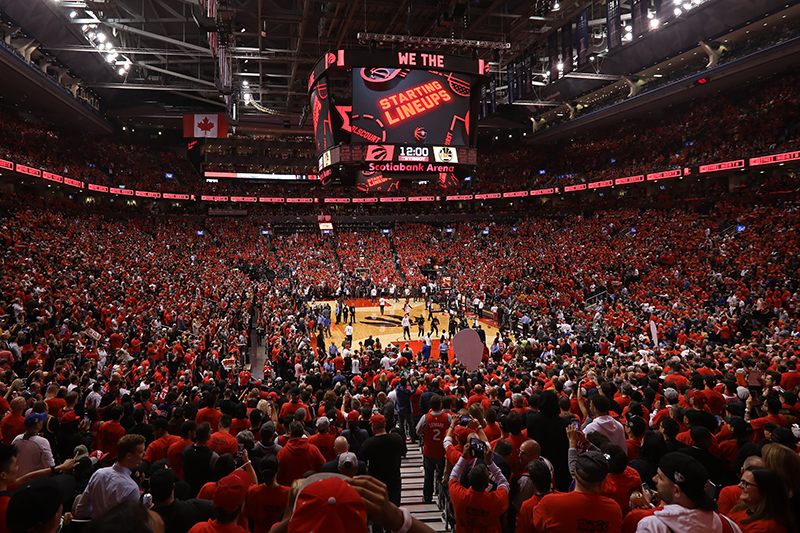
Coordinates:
<point>73,14</point>
<point>678,12</point>
<point>654,23</point>
<point>101,37</point>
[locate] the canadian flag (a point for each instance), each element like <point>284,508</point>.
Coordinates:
<point>205,125</point>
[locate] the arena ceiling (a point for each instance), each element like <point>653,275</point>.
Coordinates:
<point>163,64</point>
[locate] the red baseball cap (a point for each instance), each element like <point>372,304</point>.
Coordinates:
<point>326,503</point>
<point>231,490</point>
<point>462,433</point>
<point>377,420</point>
<point>69,416</point>
<point>352,416</point>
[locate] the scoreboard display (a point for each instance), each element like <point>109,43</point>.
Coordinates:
<point>408,113</point>
<point>404,157</point>
<point>410,106</point>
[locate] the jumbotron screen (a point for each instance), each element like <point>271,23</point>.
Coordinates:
<point>405,106</point>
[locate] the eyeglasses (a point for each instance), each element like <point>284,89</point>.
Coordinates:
<point>746,484</point>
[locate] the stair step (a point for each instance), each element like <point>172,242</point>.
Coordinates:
<point>419,507</point>
<point>428,517</point>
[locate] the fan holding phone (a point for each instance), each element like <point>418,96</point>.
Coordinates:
<point>476,509</point>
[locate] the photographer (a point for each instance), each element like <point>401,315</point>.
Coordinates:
<point>476,509</point>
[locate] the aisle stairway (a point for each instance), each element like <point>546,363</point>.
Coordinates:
<point>411,497</point>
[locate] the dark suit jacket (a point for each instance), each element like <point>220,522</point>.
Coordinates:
<point>333,466</point>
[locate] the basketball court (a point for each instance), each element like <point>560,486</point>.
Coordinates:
<point>387,326</point>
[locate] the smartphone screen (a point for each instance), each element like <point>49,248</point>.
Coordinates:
<point>576,423</point>
<point>476,447</point>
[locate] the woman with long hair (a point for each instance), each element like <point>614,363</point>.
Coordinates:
<point>764,505</point>
<point>786,463</point>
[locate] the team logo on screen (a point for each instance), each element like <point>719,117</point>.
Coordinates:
<point>380,74</point>
<point>380,152</point>
<point>420,134</point>
<point>445,154</point>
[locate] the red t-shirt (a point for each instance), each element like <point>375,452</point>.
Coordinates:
<point>240,424</point>
<point>478,511</point>
<point>758,425</point>
<point>55,406</point>
<point>222,443</point>
<point>4,498</point>
<point>175,456</point>
<point>619,487</point>
<point>212,526</point>
<point>525,516</point>
<point>210,415</point>
<point>575,511</point>
<point>758,526</point>
<point>265,506</point>
<point>290,408</point>
<point>324,441</point>
<point>11,426</point>
<point>728,497</point>
<point>158,448</point>
<point>108,436</point>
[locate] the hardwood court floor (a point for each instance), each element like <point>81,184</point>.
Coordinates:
<point>388,328</point>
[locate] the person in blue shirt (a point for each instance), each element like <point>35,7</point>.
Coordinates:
<point>404,394</point>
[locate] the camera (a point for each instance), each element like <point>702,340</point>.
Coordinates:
<point>463,421</point>
<point>476,448</point>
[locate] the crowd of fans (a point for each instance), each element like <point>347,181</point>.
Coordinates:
<point>644,376</point>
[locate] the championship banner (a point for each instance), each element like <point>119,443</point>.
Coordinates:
<point>641,24</point>
<point>582,30</point>
<point>484,101</point>
<point>493,95</point>
<point>205,125</point>
<point>512,82</point>
<point>552,53</point>
<point>566,47</point>
<point>613,24</point>
<point>527,69</point>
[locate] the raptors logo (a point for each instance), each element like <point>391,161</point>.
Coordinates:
<point>380,74</point>
<point>420,134</point>
<point>379,152</point>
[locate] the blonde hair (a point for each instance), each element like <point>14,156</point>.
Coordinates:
<point>784,462</point>
<point>294,490</point>
<point>262,406</point>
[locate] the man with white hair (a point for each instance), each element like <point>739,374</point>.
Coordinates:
<point>342,448</point>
